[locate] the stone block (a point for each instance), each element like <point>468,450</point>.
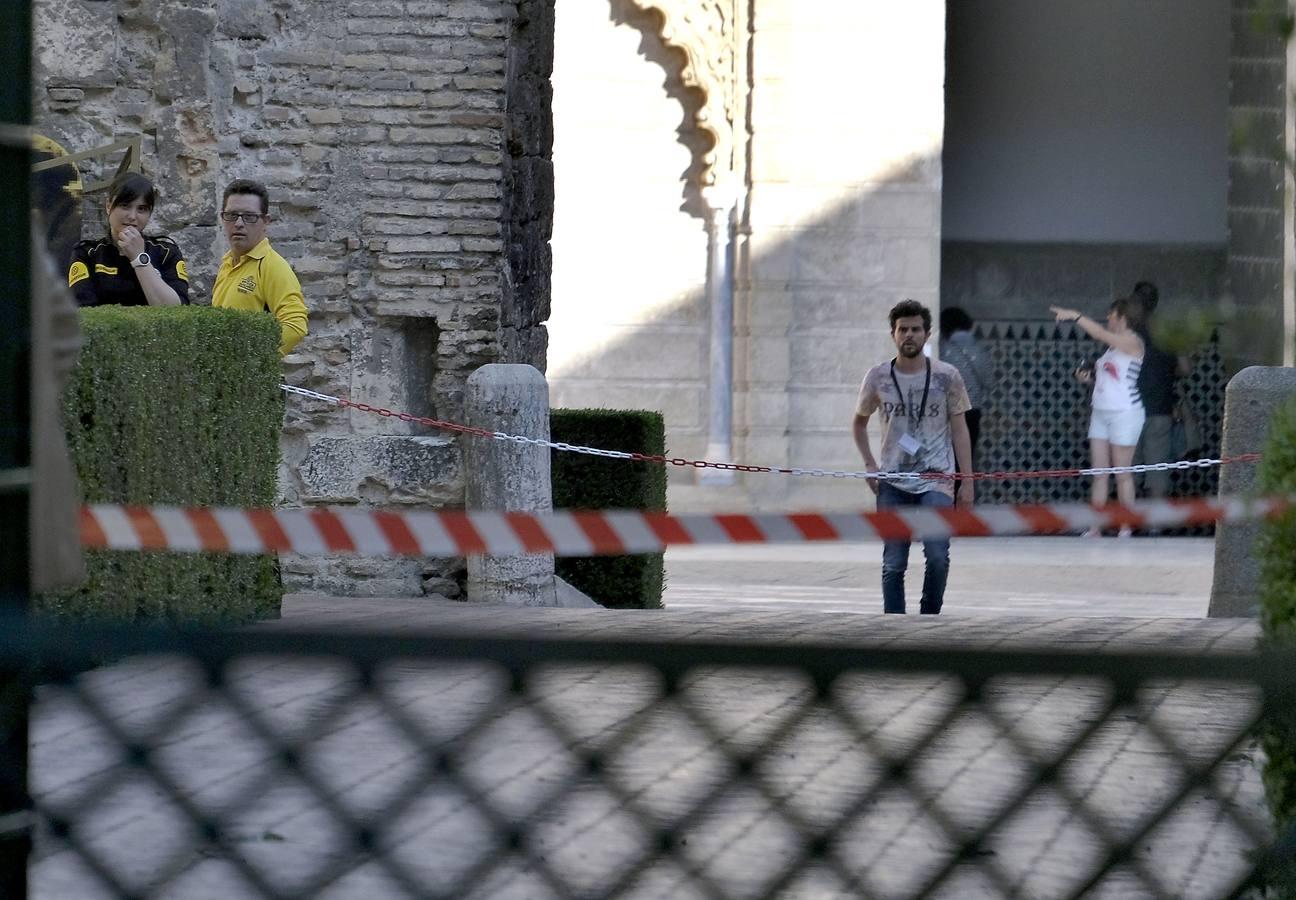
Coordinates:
<point>381,470</point>
<point>180,70</point>
<point>913,263</point>
<point>767,310</point>
<point>844,257</point>
<point>1250,400</point>
<point>245,19</point>
<point>424,245</point>
<point>764,408</point>
<point>357,577</point>
<point>766,358</point>
<point>646,352</point>
<point>827,410</point>
<point>770,254</point>
<point>64,98</point>
<point>765,446</point>
<point>849,206</point>
<point>75,45</point>
<point>829,357</point>
<point>682,404</point>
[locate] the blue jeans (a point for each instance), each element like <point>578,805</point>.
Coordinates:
<point>895,555</point>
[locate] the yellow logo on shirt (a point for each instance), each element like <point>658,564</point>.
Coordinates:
<point>78,272</point>
<point>101,269</point>
<point>247,285</point>
<point>182,270</point>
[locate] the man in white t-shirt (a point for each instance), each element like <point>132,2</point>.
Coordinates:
<point>923,431</point>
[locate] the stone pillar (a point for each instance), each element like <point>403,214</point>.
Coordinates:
<point>1259,199</point>
<point>1250,401</point>
<point>720,201</point>
<point>503,475</point>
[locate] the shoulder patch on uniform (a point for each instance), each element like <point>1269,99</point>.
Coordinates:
<point>78,272</point>
<point>182,270</point>
<point>166,245</point>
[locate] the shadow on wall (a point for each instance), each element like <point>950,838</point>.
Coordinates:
<point>818,270</point>
<point>813,290</point>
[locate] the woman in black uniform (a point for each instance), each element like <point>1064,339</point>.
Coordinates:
<point>127,268</point>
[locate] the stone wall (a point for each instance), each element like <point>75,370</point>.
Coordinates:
<point>1259,238</point>
<point>1003,280</point>
<point>405,143</point>
<point>837,164</point>
<point>844,222</point>
<point>629,329</point>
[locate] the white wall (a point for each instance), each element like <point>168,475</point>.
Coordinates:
<point>1086,121</point>
<point>628,328</point>
<point>848,112</point>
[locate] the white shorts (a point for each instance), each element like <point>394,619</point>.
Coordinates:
<point>1120,427</point>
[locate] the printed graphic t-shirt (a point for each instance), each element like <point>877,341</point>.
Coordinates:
<point>901,414</point>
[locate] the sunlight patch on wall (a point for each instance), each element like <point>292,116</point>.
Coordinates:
<point>629,265</point>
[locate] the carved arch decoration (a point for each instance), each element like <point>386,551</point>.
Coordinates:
<point>711,36</point>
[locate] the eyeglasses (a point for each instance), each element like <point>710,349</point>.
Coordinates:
<point>249,218</point>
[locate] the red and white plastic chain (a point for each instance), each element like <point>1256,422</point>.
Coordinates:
<point>774,470</point>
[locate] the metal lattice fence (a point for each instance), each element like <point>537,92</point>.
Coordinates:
<point>1038,416</point>
<point>261,764</point>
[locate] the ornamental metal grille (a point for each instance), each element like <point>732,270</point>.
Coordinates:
<point>1038,415</point>
<point>268,764</point>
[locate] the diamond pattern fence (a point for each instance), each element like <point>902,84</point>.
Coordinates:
<point>275,765</point>
<point>1038,416</point>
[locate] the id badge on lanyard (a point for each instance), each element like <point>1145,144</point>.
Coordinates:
<point>909,442</point>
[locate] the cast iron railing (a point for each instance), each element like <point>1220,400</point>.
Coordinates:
<point>271,764</point>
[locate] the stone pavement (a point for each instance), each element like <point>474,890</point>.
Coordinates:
<point>819,764</point>
<point>1049,576</point>
<point>661,761</point>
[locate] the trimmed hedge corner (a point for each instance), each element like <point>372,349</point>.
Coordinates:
<point>1278,607</point>
<point>177,405</point>
<point>595,482</point>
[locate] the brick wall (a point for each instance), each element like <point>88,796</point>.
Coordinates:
<point>406,145</point>
<point>1257,238</point>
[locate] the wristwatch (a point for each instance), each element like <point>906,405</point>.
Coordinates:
<point>142,260</point>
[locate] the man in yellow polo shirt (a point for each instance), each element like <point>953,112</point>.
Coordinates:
<point>252,275</point>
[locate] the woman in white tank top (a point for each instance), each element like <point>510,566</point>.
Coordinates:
<point>1118,414</point>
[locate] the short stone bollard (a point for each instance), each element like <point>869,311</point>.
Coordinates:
<point>1252,397</point>
<point>505,475</point>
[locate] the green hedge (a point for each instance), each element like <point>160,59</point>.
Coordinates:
<point>1278,608</point>
<point>595,482</point>
<point>175,406</point>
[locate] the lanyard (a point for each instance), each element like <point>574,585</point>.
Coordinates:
<point>922,408</point>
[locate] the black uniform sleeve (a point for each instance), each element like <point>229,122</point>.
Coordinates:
<point>173,268</point>
<point>79,277</point>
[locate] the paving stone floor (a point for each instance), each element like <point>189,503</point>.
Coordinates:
<point>738,765</point>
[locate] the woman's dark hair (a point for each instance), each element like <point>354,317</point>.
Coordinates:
<point>1146,293</point>
<point>954,318</point>
<point>1131,308</point>
<point>129,187</point>
<point>906,308</point>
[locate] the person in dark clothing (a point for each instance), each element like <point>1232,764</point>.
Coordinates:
<point>57,192</point>
<point>959,348</point>
<point>125,267</point>
<point>1157,385</point>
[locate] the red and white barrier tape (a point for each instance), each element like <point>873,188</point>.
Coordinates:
<point>774,470</point>
<point>349,531</point>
